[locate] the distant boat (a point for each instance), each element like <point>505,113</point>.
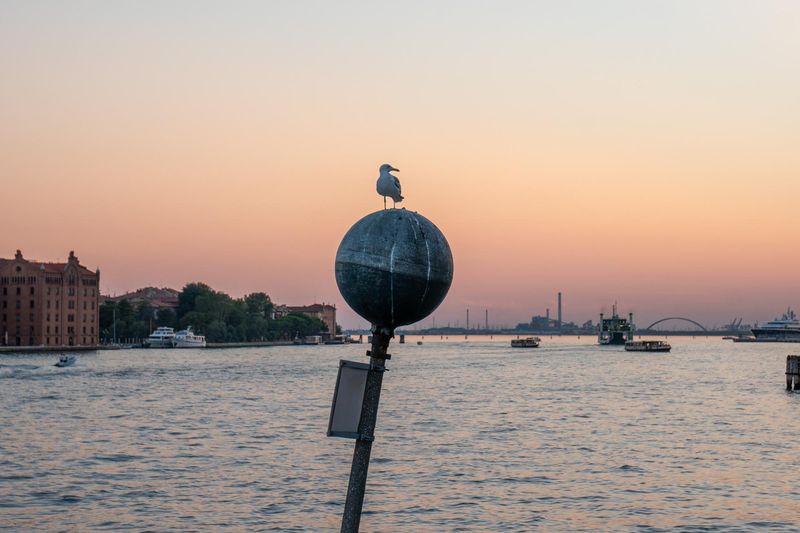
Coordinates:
<point>615,330</point>
<point>784,329</point>
<point>530,342</point>
<point>312,339</point>
<point>187,339</point>
<point>647,346</point>
<point>160,338</point>
<point>419,343</point>
<point>66,359</point>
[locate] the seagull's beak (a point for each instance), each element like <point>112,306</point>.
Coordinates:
<point>395,169</point>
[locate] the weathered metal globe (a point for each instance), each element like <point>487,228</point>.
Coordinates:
<point>394,267</point>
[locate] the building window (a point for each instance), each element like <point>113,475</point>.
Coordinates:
<point>19,291</point>
<point>48,330</point>
<point>85,291</point>
<point>48,291</point>
<point>71,291</point>
<point>5,304</point>
<point>56,304</point>
<point>70,318</point>
<point>84,305</point>
<point>33,290</point>
<point>56,317</point>
<point>92,330</point>
<point>71,304</point>
<point>31,317</point>
<point>4,317</point>
<point>56,330</point>
<point>92,306</point>
<point>18,318</point>
<point>48,317</point>
<point>18,304</point>
<point>5,291</point>
<point>48,304</point>
<point>33,303</point>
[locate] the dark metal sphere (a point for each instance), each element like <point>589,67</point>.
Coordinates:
<point>394,267</point>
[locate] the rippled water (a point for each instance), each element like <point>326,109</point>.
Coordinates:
<point>472,436</point>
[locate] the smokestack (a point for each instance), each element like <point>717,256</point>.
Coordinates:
<point>467,318</point>
<point>547,315</point>
<point>559,310</point>
<point>487,320</point>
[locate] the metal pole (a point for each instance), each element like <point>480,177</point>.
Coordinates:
<point>366,429</point>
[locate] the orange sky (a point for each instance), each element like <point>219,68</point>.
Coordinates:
<point>624,151</point>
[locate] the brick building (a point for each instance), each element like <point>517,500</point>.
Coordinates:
<point>326,313</point>
<point>55,304</point>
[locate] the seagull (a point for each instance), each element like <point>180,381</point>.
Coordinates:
<point>388,185</point>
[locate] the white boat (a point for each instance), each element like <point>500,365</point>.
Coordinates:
<point>161,338</point>
<point>784,329</point>
<point>66,359</point>
<point>647,346</point>
<point>187,339</point>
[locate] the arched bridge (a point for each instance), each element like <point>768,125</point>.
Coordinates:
<point>699,325</point>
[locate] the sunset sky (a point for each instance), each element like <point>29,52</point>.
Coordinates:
<point>643,152</point>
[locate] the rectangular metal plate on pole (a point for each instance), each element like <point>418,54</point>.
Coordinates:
<point>348,399</point>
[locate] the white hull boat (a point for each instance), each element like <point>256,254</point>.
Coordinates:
<point>161,338</point>
<point>188,339</point>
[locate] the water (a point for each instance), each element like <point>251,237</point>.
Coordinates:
<point>472,436</point>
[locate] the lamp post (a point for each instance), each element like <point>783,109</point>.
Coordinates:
<point>393,267</point>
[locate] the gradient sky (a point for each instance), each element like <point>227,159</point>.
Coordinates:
<point>643,152</point>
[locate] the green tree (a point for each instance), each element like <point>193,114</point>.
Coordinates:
<point>188,296</point>
<point>165,317</point>
<point>259,303</point>
<point>124,310</point>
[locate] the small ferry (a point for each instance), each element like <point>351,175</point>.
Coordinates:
<point>647,346</point>
<point>188,339</point>
<point>66,359</point>
<point>160,338</point>
<point>530,342</point>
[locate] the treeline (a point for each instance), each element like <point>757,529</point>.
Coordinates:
<point>211,313</point>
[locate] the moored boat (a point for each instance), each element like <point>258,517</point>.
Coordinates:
<point>160,338</point>
<point>530,342</point>
<point>647,346</point>
<point>188,339</point>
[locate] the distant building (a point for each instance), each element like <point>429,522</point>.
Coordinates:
<point>153,296</point>
<point>55,304</point>
<point>326,313</point>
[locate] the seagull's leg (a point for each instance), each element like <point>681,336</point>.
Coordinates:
<point>384,202</point>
